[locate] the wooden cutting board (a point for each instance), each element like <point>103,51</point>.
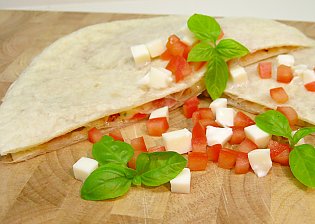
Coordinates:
<point>43,190</point>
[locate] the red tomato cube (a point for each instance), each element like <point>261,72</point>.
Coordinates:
<point>279,95</point>
<point>138,144</point>
<point>265,70</point>
<point>195,117</point>
<point>227,158</point>
<point>190,106</point>
<point>176,47</point>
<point>206,113</point>
<point>166,55</point>
<point>290,114</point>
<point>138,117</point>
<point>221,35</point>
<point>247,146</point>
<point>238,135</point>
<point>179,67</point>
<point>284,74</point>
<point>132,162</point>
<point>310,86</point>
<point>277,148</point>
<point>213,152</point>
<point>116,134</point>
<point>157,126</point>
<point>242,120</point>
<point>156,149</point>
<point>197,160</point>
<point>242,163</point>
<point>94,135</point>
<point>208,122</point>
<point>282,158</point>
<point>199,139</point>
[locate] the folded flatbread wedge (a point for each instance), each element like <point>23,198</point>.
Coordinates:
<point>88,77</point>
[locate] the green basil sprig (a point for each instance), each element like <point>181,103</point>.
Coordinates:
<point>113,178</point>
<point>207,30</point>
<point>302,157</point>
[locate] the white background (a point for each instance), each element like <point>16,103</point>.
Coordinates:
<point>301,10</point>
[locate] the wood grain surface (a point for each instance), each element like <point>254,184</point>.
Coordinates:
<point>43,189</point>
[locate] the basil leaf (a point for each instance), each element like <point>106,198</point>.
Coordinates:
<point>204,27</point>
<point>216,76</point>
<point>275,123</point>
<point>201,52</point>
<point>159,167</point>
<point>229,49</point>
<point>302,164</point>
<point>301,133</point>
<point>108,181</point>
<point>109,151</point>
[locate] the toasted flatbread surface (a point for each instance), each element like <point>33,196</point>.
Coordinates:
<point>90,74</point>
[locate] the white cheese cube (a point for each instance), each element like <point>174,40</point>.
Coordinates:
<point>160,78</point>
<point>302,140</point>
<point>187,36</point>
<point>156,47</point>
<point>84,167</point>
<point>217,135</point>
<point>238,74</point>
<point>181,183</point>
<point>140,54</point>
<point>218,103</point>
<point>225,116</point>
<point>299,69</point>
<point>161,112</point>
<point>260,161</point>
<point>285,59</point>
<point>178,141</point>
<point>308,76</point>
<point>258,136</point>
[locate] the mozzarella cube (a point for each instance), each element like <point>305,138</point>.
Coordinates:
<point>155,47</point>
<point>140,54</point>
<point>225,117</point>
<point>218,103</point>
<point>160,78</point>
<point>260,161</point>
<point>178,141</point>
<point>84,167</point>
<point>308,76</point>
<point>187,36</point>
<point>299,69</point>
<point>258,136</point>
<point>217,135</point>
<point>285,59</point>
<point>302,140</point>
<point>238,74</point>
<point>161,112</point>
<point>181,183</point>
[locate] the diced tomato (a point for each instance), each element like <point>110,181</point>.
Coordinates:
<point>190,106</point>
<point>242,163</point>
<point>139,116</point>
<point>238,135</point>
<point>227,158</point>
<point>132,161</point>
<point>290,113</point>
<point>277,148</point>
<point>176,47</point>
<point>113,117</point>
<point>197,160</point>
<point>94,135</point>
<point>279,95</point>
<point>213,152</point>
<point>265,70</point>
<point>199,139</point>
<point>157,126</point>
<point>310,86</point>
<point>138,144</point>
<point>221,35</point>
<point>195,117</point>
<point>242,120</point>
<point>206,113</point>
<point>164,102</point>
<point>166,55</point>
<point>282,158</point>
<point>156,149</point>
<point>247,146</point>
<point>208,122</point>
<point>284,74</point>
<point>116,134</point>
<point>179,67</point>
<point>197,65</point>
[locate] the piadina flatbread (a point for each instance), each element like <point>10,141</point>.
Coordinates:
<point>82,79</point>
